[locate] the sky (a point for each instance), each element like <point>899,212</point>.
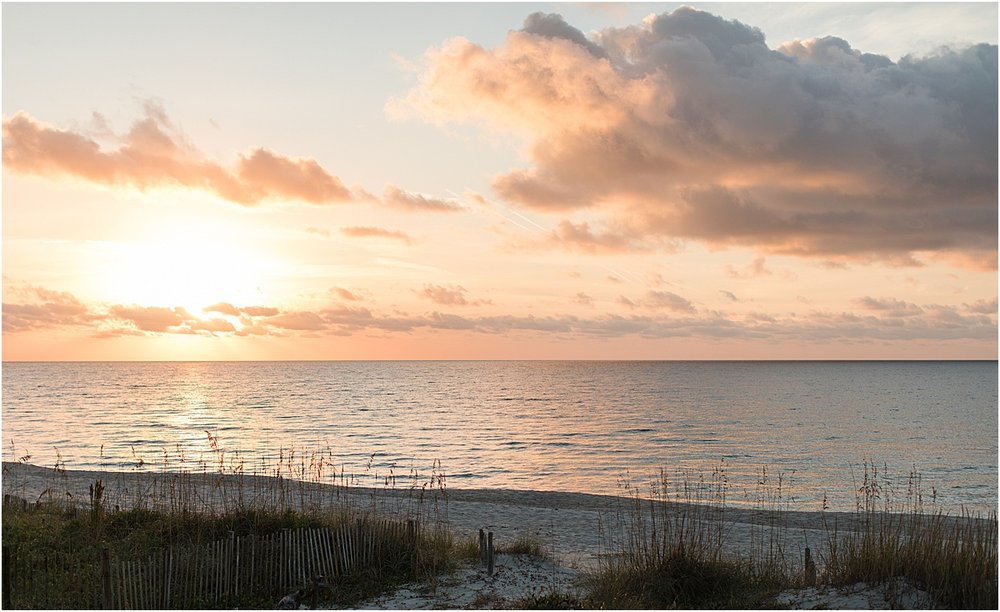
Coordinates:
<point>499,181</point>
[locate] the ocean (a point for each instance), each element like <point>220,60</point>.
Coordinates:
<point>573,426</point>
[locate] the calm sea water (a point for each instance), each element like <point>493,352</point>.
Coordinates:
<point>568,426</point>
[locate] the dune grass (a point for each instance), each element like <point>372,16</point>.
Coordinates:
<point>665,545</point>
<point>672,552</point>
<point>58,541</point>
<point>953,558</point>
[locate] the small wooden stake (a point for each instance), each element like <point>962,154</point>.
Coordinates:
<point>489,554</point>
<point>482,546</point>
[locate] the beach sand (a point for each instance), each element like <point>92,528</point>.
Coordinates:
<point>574,528</point>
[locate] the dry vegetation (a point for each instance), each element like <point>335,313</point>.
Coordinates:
<point>665,545</point>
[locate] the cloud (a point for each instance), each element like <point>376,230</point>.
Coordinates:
<point>553,26</point>
<point>344,294</point>
<point>211,325</point>
<point>319,231</point>
<point>729,295</point>
<point>260,311</point>
<point>584,299</point>
<point>449,296</point>
<point>659,300</point>
<point>153,153</point>
<point>244,311</point>
<point>397,198</point>
<point>374,232</point>
<point>667,300</point>
<point>150,318</point>
<point>578,236</point>
<point>988,307</point>
<point>223,308</point>
<point>754,270</point>
<point>876,319</point>
<point>46,309</point>
<point>299,321</point>
<point>892,306</point>
<point>273,176</point>
<point>688,126</point>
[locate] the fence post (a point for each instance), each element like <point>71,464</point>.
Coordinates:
<point>489,554</point>
<point>105,579</point>
<point>482,546</point>
<point>231,564</point>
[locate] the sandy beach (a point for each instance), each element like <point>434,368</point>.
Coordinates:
<point>574,528</point>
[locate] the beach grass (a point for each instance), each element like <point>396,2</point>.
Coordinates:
<point>58,542</point>
<point>671,551</point>
<point>953,558</point>
<point>666,543</point>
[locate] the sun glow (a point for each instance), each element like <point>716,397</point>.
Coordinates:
<point>188,269</point>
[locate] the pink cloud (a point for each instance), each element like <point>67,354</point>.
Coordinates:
<point>412,202</point>
<point>876,319</point>
<point>150,318</point>
<point>756,268</point>
<point>47,309</point>
<point>448,296</point>
<point>578,236</point>
<point>272,176</point>
<point>154,154</point>
<point>234,311</point>
<point>375,232</point>
<point>223,308</point>
<point>300,321</point>
<point>344,294</point>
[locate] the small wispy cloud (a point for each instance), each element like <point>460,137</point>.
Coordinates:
<point>453,295</point>
<point>319,231</point>
<point>755,269</point>
<point>375,232</point>
<point>414,202</point>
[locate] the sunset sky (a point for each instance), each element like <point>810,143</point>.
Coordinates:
<point>499,181</point>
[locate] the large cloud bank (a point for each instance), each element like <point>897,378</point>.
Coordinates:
<point>689,126</point>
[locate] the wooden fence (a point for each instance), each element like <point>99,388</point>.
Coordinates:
<point>238,568</point>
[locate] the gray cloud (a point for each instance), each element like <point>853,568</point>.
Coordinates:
<point>690,127</point>
<point>554,26</point>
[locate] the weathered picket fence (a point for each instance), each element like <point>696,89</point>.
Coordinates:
<point>251,565</point>
<point>237,568</point>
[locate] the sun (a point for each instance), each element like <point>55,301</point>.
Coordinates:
<point>188,268</point>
